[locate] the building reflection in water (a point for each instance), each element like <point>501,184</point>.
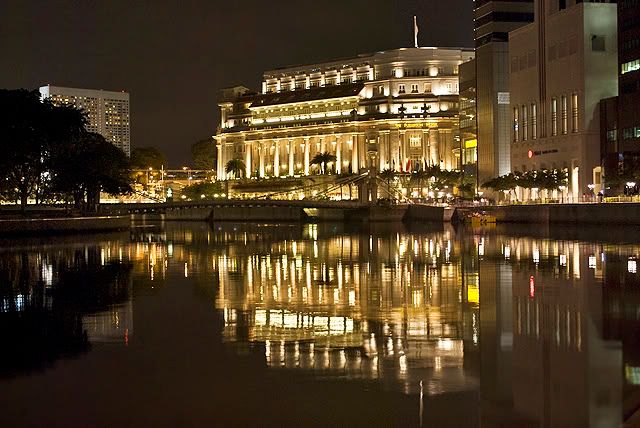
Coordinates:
<point>376,306</point>
<point>57,300</point>
<point>521,319</point>
<point>539,332</point>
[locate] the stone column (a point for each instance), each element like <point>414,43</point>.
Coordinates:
<point>247,162</point>
<point>433,147</point>
<point>306,155</point>
<point>261,149</point>
<point>402,149</point>
<point>338,154</point>
<point>292,151</point>
<point>276,159</point>
<point>354,153</point>
<point>220,174</point>
<point>425,147</point>
<point>363,162</point>
<point>323,145</point>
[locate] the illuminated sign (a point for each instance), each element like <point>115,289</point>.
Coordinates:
<point>473,294</point>
<point>532,153</point>
<point>469,144</point>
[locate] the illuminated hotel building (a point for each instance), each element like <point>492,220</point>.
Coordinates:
<point>396,109</point>
<point>107,112</point>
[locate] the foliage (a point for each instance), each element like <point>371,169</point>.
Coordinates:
<point>208,189</point>
<point>539,179</point>
<point>388,175</point>
<point>203,154</point>
<point>147,157</point>
<point>88,165</point>
<point>236,167</point>
<point>48,155</point>
<point>322,160</point>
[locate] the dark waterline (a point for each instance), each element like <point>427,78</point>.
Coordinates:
<point>190,325</point>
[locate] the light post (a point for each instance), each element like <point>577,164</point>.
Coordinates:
<point>562,189</point>
<point>630,185</point>
<point>149,175</point>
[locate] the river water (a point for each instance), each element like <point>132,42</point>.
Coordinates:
<point>190,324</point>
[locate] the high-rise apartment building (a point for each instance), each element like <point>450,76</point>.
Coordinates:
<point>492,22</point>
<point>107,112</point>
<point>562,65</point>
<point>620,116</point>
<point>396,110</point>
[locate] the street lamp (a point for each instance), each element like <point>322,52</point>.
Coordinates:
<point>630,186</point>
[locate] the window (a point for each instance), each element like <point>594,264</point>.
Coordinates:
<point>401,89</point>
<point>381,90</point>
<point>597,43</point>
<point>612,135</point>
<point>427,88</point>
<point>415,141</point>
<point>534,121</point>
<point>414,88</point>
<point>564,115</point>
<point>574,112</point>
<point>525,124</point>
<point>516,120</point>
<point>554,116</point>
<point>449,86</point>
<point>630,66</point>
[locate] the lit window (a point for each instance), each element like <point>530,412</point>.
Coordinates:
<point>516,120</point>
<point>630,66</point>
<point>564,115</point>
<point>401,89</point>
<point>574,112</point>
<point>534,121</point>
<point>554,116</point>
<point>525,124</point>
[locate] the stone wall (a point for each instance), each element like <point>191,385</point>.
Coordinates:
<point>64,225</point>
<point>605,214</point>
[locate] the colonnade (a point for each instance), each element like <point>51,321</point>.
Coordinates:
<point>397,149</point>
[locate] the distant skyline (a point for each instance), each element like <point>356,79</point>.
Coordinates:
<point>174,58</point>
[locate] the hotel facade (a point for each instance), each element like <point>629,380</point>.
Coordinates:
<point>396,110</point>
<point>107,112</point>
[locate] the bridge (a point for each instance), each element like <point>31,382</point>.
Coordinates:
<point>242,210</point>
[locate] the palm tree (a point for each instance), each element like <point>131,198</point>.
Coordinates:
<point>236,167</point>
<point>388,175</point>
<point>322,160</point>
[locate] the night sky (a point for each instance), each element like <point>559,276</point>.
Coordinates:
<point>174,56</point>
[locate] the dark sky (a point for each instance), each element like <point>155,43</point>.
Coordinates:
<point>174,56</point>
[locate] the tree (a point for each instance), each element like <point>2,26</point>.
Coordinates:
<point>322,160</point>
<point>203,154</point>
<point>87,166</point>
<point>206,189</point>
<point>388,175</point>
<point>31,131</point>
<point>236,167</point>
<point>147,157</point>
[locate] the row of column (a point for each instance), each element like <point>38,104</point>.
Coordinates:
<point>392,149</point>
<point>348,150</point>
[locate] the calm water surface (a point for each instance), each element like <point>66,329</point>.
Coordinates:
<point>268,325</point>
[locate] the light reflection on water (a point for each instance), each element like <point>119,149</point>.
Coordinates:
<point>537,331</point>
